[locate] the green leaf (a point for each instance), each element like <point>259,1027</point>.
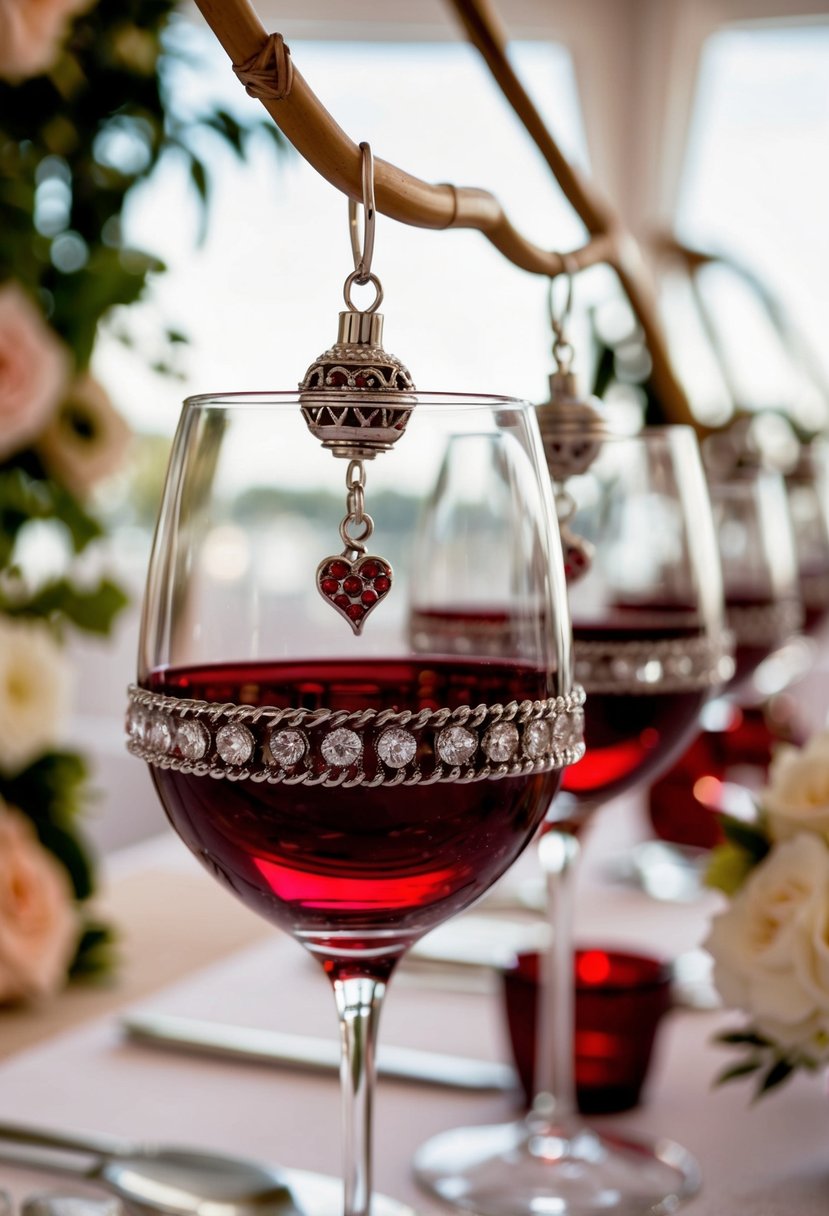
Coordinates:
<point>26,494</point>
<point>727,868</point>
<point>96,954</point>
<point>779,1072</point>
<point>92,611</point>
<point>750,1038</point>
<point>72,853</point>
<point>747,836</point>
<point>52,789</point>
<point>736,1071</point>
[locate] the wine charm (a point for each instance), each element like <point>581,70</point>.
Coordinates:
<point>577,553</point>
<point>356,398</point>
<point>351,581</point>
<point>572,429</point>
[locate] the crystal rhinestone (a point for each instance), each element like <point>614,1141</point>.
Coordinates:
<point>576,726</point>
<point>537,739</point>
<point>136,723</point>
<point>192,739</point>
<point>501,742</point>
<point>562,731</point>
<point>288,746</point>
<point>160,735</point>
<point>341,748</point>
<point>234,743</point>
<point>679,665</point>
<point>650,672</point>
<point>396,747</point>
<point>456,744</point>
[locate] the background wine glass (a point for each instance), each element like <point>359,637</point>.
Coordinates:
<point>348,789</point>
<point>764,613</point>
<point>651,646</point>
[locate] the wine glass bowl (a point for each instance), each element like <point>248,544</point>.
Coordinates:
<point>807,484</point>
<point>650,645</point>
<point>351,788</point>
<point>760,573</point>
<point>764,612</point>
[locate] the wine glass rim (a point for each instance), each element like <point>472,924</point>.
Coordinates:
<point>270,397</point>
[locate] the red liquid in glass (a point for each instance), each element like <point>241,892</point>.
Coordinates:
<point>631,736</point>
<point>356,872</point>
<point>748,655</point>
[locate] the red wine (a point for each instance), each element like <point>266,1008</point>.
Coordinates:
<point>358,872</point>
<point>814,595</point>
<point>631,736</point>
<point>685,804</point>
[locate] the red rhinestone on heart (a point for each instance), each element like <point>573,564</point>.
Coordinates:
<point>354,588</point>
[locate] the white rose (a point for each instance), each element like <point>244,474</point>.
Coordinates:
<point>86,438</point>
<point>771,946</point>
<point>34,691</point>
<point>33,366</point>
<point>31,32</point>
<point>38,922</point>
<point>796,798</point>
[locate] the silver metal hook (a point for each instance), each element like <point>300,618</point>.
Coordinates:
<point>562,350</point>
<point>558,320</point>
<point>363,252</point>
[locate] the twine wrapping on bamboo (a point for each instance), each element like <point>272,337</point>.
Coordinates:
<point>269,74</point>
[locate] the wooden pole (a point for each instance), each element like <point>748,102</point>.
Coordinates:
<point>321,141</point>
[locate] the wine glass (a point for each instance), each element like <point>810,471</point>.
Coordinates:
<point>807,483</point>
<point>764,613</point>
<point>348,789</point>
<point>651,646</point>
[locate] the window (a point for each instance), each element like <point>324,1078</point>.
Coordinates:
<point>756,186</point>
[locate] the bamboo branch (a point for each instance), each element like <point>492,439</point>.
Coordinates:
<point>486,32</point>
<point>317,137</point>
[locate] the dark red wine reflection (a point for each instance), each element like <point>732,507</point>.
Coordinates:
<point>357,870</point>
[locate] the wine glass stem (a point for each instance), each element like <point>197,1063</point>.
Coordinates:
<point>359,999</point>
<point>555,1081</point>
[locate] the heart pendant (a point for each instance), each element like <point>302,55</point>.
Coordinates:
<point>354,588</point>
<point>577,554</point>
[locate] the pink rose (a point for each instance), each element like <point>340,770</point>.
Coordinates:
<point>86,438</point>
<point>38,925</point>
<point>31,32</point>
<point>33,367</point>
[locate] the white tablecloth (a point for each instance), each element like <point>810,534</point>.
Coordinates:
<point>764,1159</point>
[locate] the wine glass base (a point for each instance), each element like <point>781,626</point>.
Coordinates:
<point>510,1170</point>
<point>322,1195</point>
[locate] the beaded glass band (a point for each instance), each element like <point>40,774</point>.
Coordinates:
<point>653,666</point>
<point>764,624</point>
<point>364,747</point>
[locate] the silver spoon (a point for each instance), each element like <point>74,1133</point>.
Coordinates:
<point>180,1181</point>
<point>149,1178</point>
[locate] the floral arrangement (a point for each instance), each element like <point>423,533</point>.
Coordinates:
<point>86,112</point>
<point>771,943</point>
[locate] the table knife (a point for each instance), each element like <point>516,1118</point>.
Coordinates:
<point>315,1054</point>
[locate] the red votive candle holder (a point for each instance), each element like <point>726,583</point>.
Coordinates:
<point>620,1000</point>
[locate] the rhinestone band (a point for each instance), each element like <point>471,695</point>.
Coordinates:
<point>764,624</point>
<point>364,747</point>
<point>654,666</point>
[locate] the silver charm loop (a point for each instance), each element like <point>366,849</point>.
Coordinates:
<point>353,278</point>
<point>363,254</point>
